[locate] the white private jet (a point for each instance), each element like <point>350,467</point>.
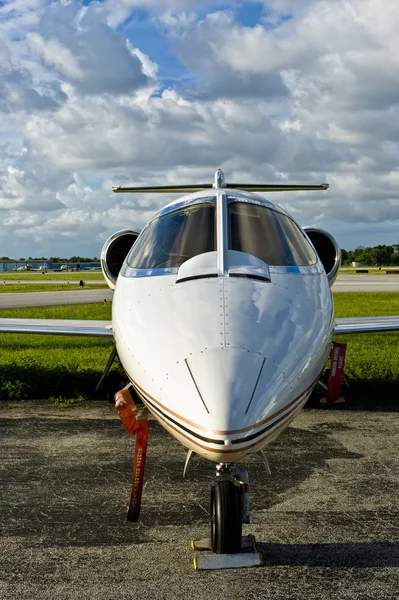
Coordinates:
<point>223,321</point>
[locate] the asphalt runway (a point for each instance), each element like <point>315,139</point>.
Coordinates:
<point>51,282</point>
<point>366,283</point>
<point>18,300</point>
<point>326,521</point>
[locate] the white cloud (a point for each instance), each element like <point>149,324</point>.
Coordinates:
<point>312,98</point>
<point>118,13</point>
<point>56,54</point>
<point>87,52</point>
<point>202,46</point>
<point>28,189</point>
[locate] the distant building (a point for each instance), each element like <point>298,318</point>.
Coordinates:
<point>45,265</point>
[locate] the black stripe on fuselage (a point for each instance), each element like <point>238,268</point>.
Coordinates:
<point>180,426</point>
<point>248,438</point>
<point>221,442</point>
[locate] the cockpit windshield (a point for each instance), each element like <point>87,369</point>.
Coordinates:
<point>187,231</point>
<point>267,234</point>
<point>171,239</point>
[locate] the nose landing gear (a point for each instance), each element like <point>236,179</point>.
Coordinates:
<point>229,510</point>
<point>226,525</point>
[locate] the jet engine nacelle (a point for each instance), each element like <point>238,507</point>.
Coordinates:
<point>328,250</point>
<point>114,253</point>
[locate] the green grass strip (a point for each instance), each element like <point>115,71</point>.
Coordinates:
<point>366,304</point>
<point>39,366</point>
<point>371,271</point>
<point>68,311</point>
<point>39,276</point>
<point>372,359</point>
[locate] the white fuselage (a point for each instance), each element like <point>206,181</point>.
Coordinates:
<point>223,359</point>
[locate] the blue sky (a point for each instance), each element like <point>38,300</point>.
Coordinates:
<point>95,94</point>
<point>147,34</point>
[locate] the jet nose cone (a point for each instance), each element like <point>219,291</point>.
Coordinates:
<point>226,380</point>
<point>215,399</point>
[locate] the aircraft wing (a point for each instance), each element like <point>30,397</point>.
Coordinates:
<point>94,328</point>
<point>57,327</point>
<point>365,325</point>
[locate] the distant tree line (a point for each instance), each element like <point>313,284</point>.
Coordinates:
<point>73,259</point>
<point>375,256</point>
<point>56,259</point>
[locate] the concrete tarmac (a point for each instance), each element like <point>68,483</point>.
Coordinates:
<point>366,283</point>
<point>326,521</point>
<point>44,281</point>
<point>18,300</point>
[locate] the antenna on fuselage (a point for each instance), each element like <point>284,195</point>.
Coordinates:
<point>219,183</point>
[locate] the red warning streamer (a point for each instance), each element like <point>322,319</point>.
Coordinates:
<point>140,453</point>
<point>126,408</point>
<point>336,376</point>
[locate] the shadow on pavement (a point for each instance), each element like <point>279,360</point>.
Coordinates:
<point>67,481</point>
<point>363,554</point>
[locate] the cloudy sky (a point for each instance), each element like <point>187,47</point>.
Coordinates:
<point>102,93</point>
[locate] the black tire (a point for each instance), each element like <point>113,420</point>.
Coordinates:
<point>226,519</point>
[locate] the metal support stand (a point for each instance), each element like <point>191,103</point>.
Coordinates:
<point>241,476</point>
<point>107,368</point>
<point>265,462</point>
<point>189,457</point>
<point>248,557</point>
<point>321,385</point>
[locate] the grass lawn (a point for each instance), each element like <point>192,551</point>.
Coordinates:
<point>33,366</point>
<point>40,276</point>
<point>40,366</point>
<point>366,304</point>
<point>371,270</point>
<point>372,359</point>
<point>68,311</point>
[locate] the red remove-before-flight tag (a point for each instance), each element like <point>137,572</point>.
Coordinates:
<point>126,409</point>
<point>336,376</point>
<point>140,453</point>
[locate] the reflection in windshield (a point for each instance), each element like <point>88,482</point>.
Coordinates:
<point>171,239</point>
<point>268,235</point>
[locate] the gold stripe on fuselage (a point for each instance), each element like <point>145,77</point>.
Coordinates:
<point>221,449</point>
<point>139,389</point>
